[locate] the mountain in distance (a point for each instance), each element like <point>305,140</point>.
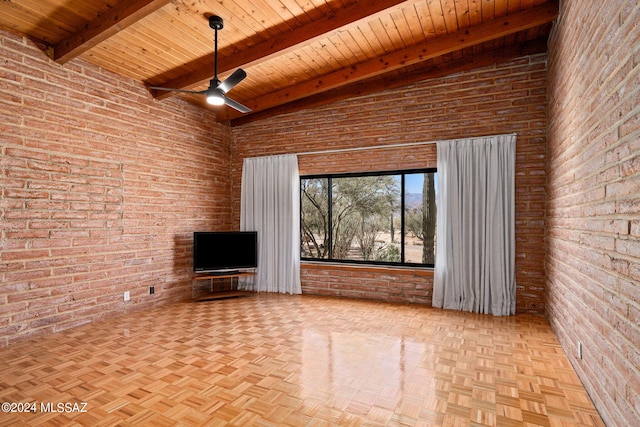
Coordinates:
<point>412,201</point>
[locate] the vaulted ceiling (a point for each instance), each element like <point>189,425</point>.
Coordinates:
<point>296,53</point>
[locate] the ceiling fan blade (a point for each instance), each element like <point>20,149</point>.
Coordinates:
<point>235,78</point>
<point>197,92</point>
<point>236,105</point>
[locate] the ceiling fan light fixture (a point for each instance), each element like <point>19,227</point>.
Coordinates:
<point>215,98</point>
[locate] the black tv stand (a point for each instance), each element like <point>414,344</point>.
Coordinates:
<point>221,291</point>
<point>222,273</point>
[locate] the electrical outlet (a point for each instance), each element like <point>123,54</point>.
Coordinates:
<point>127,296</point>
<point>152,290</point>
<point>580,350</point>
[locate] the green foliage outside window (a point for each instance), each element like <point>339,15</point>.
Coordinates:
<point>381,218</point>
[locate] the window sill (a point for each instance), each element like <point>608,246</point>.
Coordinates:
<point>409,270</point>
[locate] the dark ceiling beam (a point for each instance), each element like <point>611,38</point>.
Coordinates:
<point>429,49</point>
<point>104,26</point>
<point>340,19</point>
<point>393,80</point>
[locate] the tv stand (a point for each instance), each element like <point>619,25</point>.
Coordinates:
<point>221,290</point>
<point>226,273</point>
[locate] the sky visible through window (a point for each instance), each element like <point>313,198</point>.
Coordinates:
<point>413,183</point>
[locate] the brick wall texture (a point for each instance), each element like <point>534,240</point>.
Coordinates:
<point>510,97</point>
<point>593,207</point>
<point>101,189</point>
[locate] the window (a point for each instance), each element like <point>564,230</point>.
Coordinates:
<point>377,218</point>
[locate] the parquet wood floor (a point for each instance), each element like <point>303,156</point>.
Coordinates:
<point>279,360</point>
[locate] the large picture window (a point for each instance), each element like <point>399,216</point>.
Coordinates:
<point>378,218</point>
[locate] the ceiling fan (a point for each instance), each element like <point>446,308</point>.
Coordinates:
<point>216,92</point>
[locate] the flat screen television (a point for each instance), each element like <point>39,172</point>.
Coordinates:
<point>224,251</point>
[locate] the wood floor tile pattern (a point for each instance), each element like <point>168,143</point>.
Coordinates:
<point>278,360</point>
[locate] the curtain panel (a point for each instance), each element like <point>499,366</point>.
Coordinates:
<point>475,236</point>
<point>270,205</point>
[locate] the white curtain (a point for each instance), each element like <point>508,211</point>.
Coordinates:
<point>270,205</point>
<point>475,237</point>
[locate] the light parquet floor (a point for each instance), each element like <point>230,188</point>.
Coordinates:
<point>278,360</point>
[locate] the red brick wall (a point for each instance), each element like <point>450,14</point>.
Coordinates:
<point>101,188</point>
<point>510,97</point>
<point>593,249</point>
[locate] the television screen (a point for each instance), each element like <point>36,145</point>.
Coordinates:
<point>224,250</point>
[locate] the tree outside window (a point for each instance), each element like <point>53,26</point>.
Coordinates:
<point>379,218</point>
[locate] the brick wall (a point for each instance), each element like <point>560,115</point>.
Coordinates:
<point>506,98</point>
<point>593,249</point>
<point>101,188</point>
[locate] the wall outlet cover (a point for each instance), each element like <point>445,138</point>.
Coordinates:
<point>580,350</point>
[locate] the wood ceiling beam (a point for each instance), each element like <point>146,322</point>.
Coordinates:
<point>429,49</point>
<point>393,80</point>
<point>340,19</point>
<point>104,26</point>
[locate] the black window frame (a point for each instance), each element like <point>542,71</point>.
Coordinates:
<point>330,177</point>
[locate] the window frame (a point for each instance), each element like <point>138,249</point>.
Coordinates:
<point>330,177</point>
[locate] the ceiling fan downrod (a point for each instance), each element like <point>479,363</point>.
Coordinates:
<point>216,23</point>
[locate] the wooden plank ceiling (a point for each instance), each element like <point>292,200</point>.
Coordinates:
<point>297,53</point>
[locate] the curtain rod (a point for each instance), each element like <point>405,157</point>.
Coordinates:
<point>377,147</point>
<point>382,147</point>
